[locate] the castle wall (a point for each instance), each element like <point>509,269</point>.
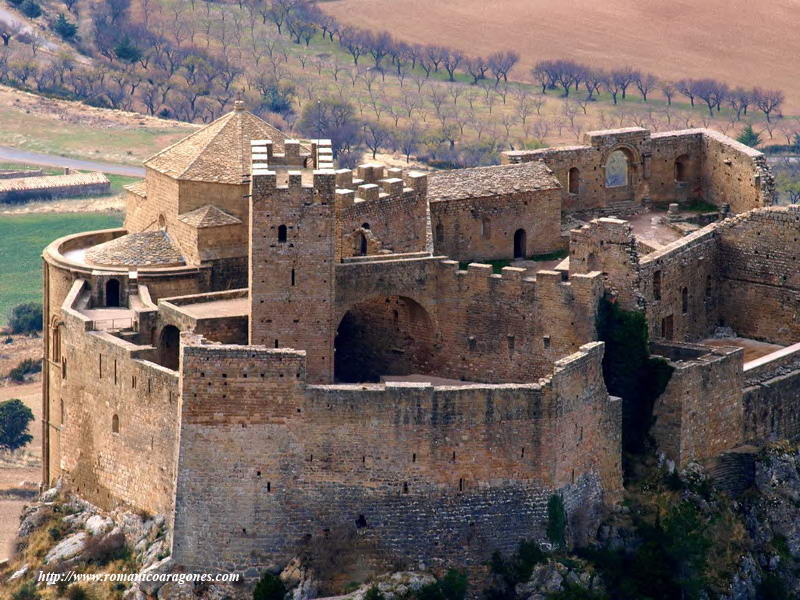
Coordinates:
<point>735,174</point>
<point>699,415</point>
<point>483,228</point>
<point>688,305</point>
<point>142,213</point>
<point>666,149</point>
<point>398,218</point>
<point>490,328</point>
<point>714,167</point>
<point>761,274</point>
<point>110,384</point>
<point>420,472</point>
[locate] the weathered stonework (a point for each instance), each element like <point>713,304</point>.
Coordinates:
<point>245,366</point>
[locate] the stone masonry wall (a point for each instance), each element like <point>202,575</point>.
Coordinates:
<point>760,268</point>
<point>119,423</point>
<point>420,472</point>
<point>490,328</point>
<point>483,228</point>
<point>699,415</point>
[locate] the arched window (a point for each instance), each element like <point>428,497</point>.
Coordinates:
<point>169,347</point>
<point>365,226</point>
<point>520,244</point>
<point>573,180</point>
<point>281,234</point>
<point>115,424</point>
<point>362,244</point>
<point>162,222</point>
<point>617,169</point>
<point>112,292</point>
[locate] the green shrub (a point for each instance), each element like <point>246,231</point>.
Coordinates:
<point>373,593</point>
<point>14,420</point>
<point>30,9</point>
<point>26,318</point>
<point>556,521</point>
<point>269,587</point>
<point>26,367</point>
<point>629,372</point>
<point>64,28</point>
<point>27,591</point>
<point>575,592</point>
<point>749,137</point>
<point>508,572</point>
<point>453,586</point>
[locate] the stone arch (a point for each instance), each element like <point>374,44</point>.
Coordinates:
<point>620,167</point>
<point>115,424</point>
<point>574,180</point>
<point>169,345</point>
<point>520,243</point>
<point>113,296</point>
<point>383,335</point>
<point>363,248</point>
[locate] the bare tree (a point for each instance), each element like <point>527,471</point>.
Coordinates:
<point>768,101</point>
<point>501,64</point>
<point>710,91</point>
<point>645,82</point>
<point>451,61</point>
<point>375,136</point>
<point>668,89</point>
<point>477,68</point>
<point>686,87</point>
<point>740,100</point>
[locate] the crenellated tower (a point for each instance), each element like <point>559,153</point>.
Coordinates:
<point>292,253</point>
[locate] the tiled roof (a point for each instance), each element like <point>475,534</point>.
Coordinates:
<point>481,182</point>
<point>208,216</point>
<point>46,182</point>
<point>217,153</point>
<point>143,249</point>
<point>137,188</point>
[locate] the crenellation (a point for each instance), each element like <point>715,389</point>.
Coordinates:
<point>271,356</point>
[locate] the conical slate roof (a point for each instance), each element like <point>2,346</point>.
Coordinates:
<point>219,152</point>
<point>142,249</point>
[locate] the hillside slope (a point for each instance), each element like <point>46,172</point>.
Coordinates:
<point>737,41</point>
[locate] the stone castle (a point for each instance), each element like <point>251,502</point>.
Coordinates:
<point>272,352</point>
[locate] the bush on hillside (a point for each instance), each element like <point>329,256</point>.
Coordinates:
<point>26,318</point>
<point>269,587</point>
<point>30,9</point>
<point>15,418</point>
<point>29,366</point>
<point>64,28</point>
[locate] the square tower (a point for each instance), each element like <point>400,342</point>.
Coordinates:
<point>292,254</point>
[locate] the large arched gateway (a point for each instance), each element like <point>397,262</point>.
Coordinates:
<point>391,335</point>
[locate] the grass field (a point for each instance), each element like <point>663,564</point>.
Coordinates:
<point>736,41</point>
<point>22,239</point>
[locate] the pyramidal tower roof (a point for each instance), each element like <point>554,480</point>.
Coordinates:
<point>219,152</point>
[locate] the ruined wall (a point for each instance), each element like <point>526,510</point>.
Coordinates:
<point>772,396</point>
<point>669,182</point>
<point>712,167</point>
<point>735,174</point>
<point>590,192</point>
<point>687,307</point>
<point>699,415</point>
<point>760,271</point>
<point>608,245</point>
<point>484,228</point>
<point>119,423</point>
<point>420,472</point>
